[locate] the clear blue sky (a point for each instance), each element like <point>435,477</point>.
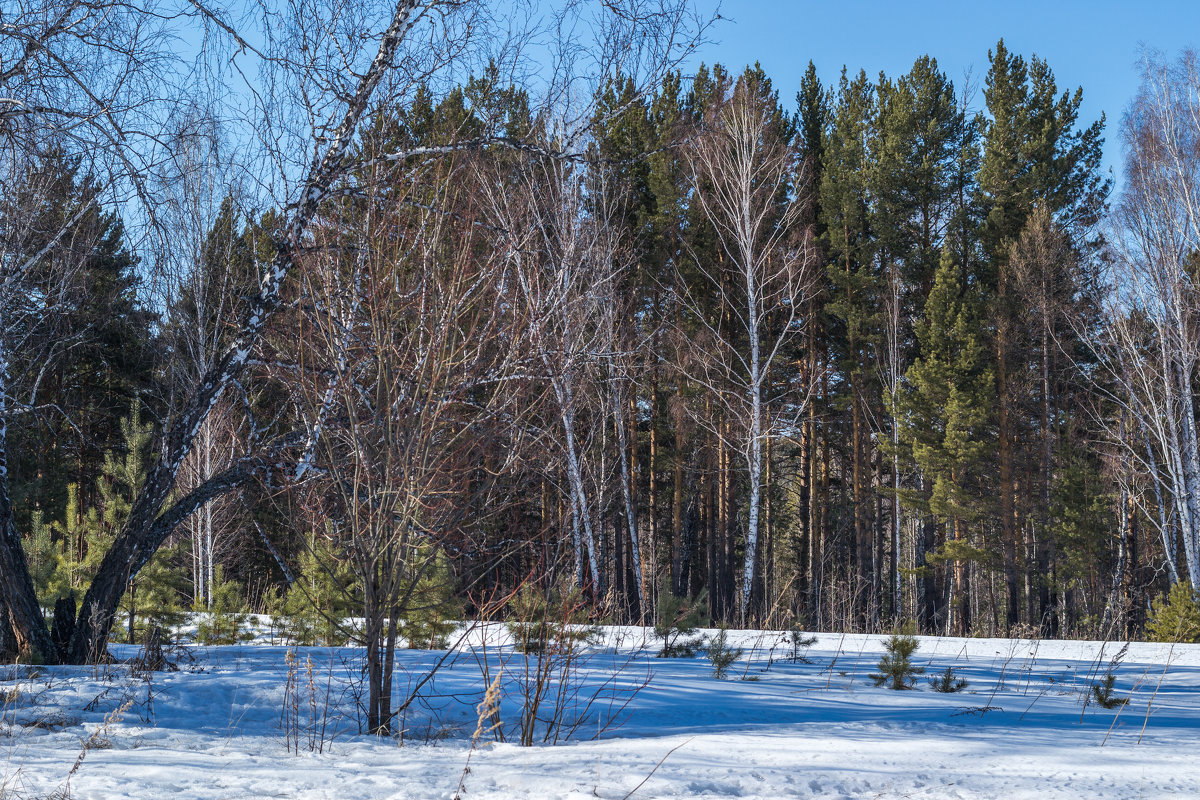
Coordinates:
<point>1094,45</point>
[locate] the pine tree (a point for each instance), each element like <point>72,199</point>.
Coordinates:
<point>155,595</point>
<point>314,608</point>
<point>895,667</point>
<point>676,621</point>
<point>854,299</point>
<point>98,349</point>
<point>155,599</point>
<point>224,620</point>
<point>919,130</point>
<point>65,554</point>
<point>1032,155</point>
<point>812,116</point>
<point>431,608</point>
<point>946,413</point>
<point>1176,617</point>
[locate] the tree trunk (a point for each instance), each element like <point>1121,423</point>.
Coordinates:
<point>1191,471</point>
<point>962,585</point>
<point>23,630</point>
<point>1008,533</point>
<point>582,509</point>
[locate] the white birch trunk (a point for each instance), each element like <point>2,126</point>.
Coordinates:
<point>1190,457</point>
<point>583,517</point>
<point>754,457</point>
<point>627,496</point>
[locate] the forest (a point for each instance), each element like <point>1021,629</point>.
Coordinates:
<point>370,333</point>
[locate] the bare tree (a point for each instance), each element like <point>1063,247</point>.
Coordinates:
<point>743,174</point>
<point>1153,341</point>
<point>411,356</point>
<point>620,378</point>
<point>199,277</point>
<point>561,267</point>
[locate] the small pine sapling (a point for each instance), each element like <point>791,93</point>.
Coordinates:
<point>529,626</point>
<point>677,619</point>
<point>155,599</point>
<point>800,642</point>
<point>1102,692</point>
<point>549,621</point>
<point>431,609</point>
<point>1177,617</point>
<point>226,620</point>
<point>721,654</point>
<point>947,682</point>
<point>315,606</point>
<point>895,667</point>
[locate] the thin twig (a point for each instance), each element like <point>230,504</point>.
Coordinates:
<point>656,766</point>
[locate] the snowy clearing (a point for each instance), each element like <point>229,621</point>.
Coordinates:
<point>219,727</point>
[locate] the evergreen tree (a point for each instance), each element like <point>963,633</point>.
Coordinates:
<point>98,348</point>
<point>812,117</point>
<point>1032,154</point>
<point>945,414</point>
<point>895,666</point>
<point>431,609</point>
<point>919,132</point>
<point>223,621</point>
<point>854,300</point>
<point>1176,617</point>
<point>314,608</point>
<point>66,553</point>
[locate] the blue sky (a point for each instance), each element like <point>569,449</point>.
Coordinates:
<point>1095,45</point>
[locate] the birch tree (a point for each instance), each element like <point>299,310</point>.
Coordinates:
<point>561,279</point>
<point>744,172</point>
<point>1155,308</point>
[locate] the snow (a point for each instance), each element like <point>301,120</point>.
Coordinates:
<point>771,729</point>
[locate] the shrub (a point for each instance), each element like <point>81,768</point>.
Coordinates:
<point>895,667</point>
<point>549,621</point>
<point>721,654</point>
<point>677,619</point>
<point>947,682</point>
<point>1177,617</point>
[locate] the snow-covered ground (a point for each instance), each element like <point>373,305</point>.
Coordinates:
<point>771,729</point>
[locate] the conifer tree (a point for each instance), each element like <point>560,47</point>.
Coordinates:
<point>315,606</point>
<point>97,350</point>
<point>1032,154</point>
<point>432,609</point>
<point>946,413</point>
<point>223,621</point>
<point>918,134</point>
<point>812,118</point>
<point>65,554</point>
<point>854,298</point>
